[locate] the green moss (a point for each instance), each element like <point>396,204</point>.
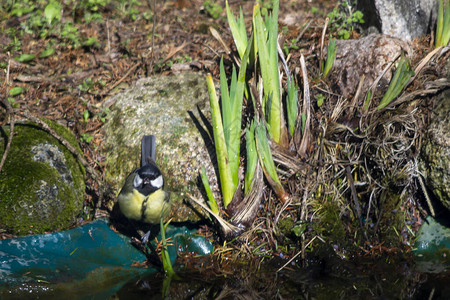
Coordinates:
<point>392,219</point>
<point>329,224</point>
<point>286,226</point>
<point>39,196</point>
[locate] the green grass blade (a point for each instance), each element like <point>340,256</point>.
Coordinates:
<point>268,60</point>
<point>167,265</point>
<point>241,24</point>
<point>275,108</point>
<point>211,201</point>
<point>226,103</point>
<point>292,104</point>
<point>398,82</point>
<point>252,158</point>
<point>234,144</point>
<point>238,30</point>
<point>261,42</point>
<point>331,56</point>
<point>264,152</point>
<point>268,166</point>
<point>226,181</point>
<point>440,24</point>
<point>446,27</point>
<point>367,101</point>
<point>233,86</point>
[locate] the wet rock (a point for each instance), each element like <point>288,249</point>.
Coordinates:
<point>434,161</point>
<point>171,108</point>
<point>41,185</point>
<point>367,56</point>
<point>405,20</point>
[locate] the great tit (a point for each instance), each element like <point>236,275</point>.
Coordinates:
<point>142,197</point>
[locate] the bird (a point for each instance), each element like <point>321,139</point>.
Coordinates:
<point>142,197</point>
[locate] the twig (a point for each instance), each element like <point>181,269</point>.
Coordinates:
<point>7,70</point>
<point>322,40</point>
<point>228,228</point>
<point>298,253</point>
<point>217,36</point>
<point>109,39</point>
<point>306,110</point>
<point>410,96</point>
<point>10,114</point>
<point>299,36</point>
<point>423,63</point>
<point>123,78</point>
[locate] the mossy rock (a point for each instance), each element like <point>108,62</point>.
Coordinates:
<point>42,185</point>
<point>434,161</point>
<point>173,108</point>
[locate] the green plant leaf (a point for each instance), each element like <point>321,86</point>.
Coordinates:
<point>252,157</point>
<point>398,82</point>
<point>15,91</point>
<point>86,137</point>
<point>86,115</point>
<point>226,102</point>
<point>237,27</point>
<point>299,229</point>
<point>52,11</point>
<point>92,41</point>
<point>264,152</point>
<point>292,104</point>
<point>443,24</point>
<point>25,58</point>
<point>211,200</point>
<point>165,257</point>
<point>47,52</point>
<point>267,163</point>
<point>331,55</point>
<point>236,98</point>
<point>320,98</point>
<point>266,35</point>
<point>446,27</point>
<point>226,181</point>
<point>367,101</point>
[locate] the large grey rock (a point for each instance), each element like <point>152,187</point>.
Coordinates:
<point>42,184</point>
<point>435,153</point>
<point>167,107</point>
<point>406,20</point>
<point>367,56</point>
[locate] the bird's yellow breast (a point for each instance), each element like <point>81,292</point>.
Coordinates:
<point>147,209</point>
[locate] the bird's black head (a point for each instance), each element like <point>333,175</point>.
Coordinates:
<point>148,179</point>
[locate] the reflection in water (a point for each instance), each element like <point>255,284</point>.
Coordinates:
<point>322,280</point>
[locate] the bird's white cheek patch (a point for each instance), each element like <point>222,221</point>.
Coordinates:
<point>137,181</point>
<point>158,182</point>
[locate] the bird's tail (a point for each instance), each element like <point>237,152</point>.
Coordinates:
<point>148,148</point>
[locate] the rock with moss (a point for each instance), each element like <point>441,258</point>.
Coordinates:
<point>172,108</point>
<point>435,153</point>
<point>42,185</point>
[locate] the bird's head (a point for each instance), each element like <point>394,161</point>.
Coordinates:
<point>148,179</point>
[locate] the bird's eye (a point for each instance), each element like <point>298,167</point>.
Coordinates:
<point>158,182</point>
<point>137,181</point>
